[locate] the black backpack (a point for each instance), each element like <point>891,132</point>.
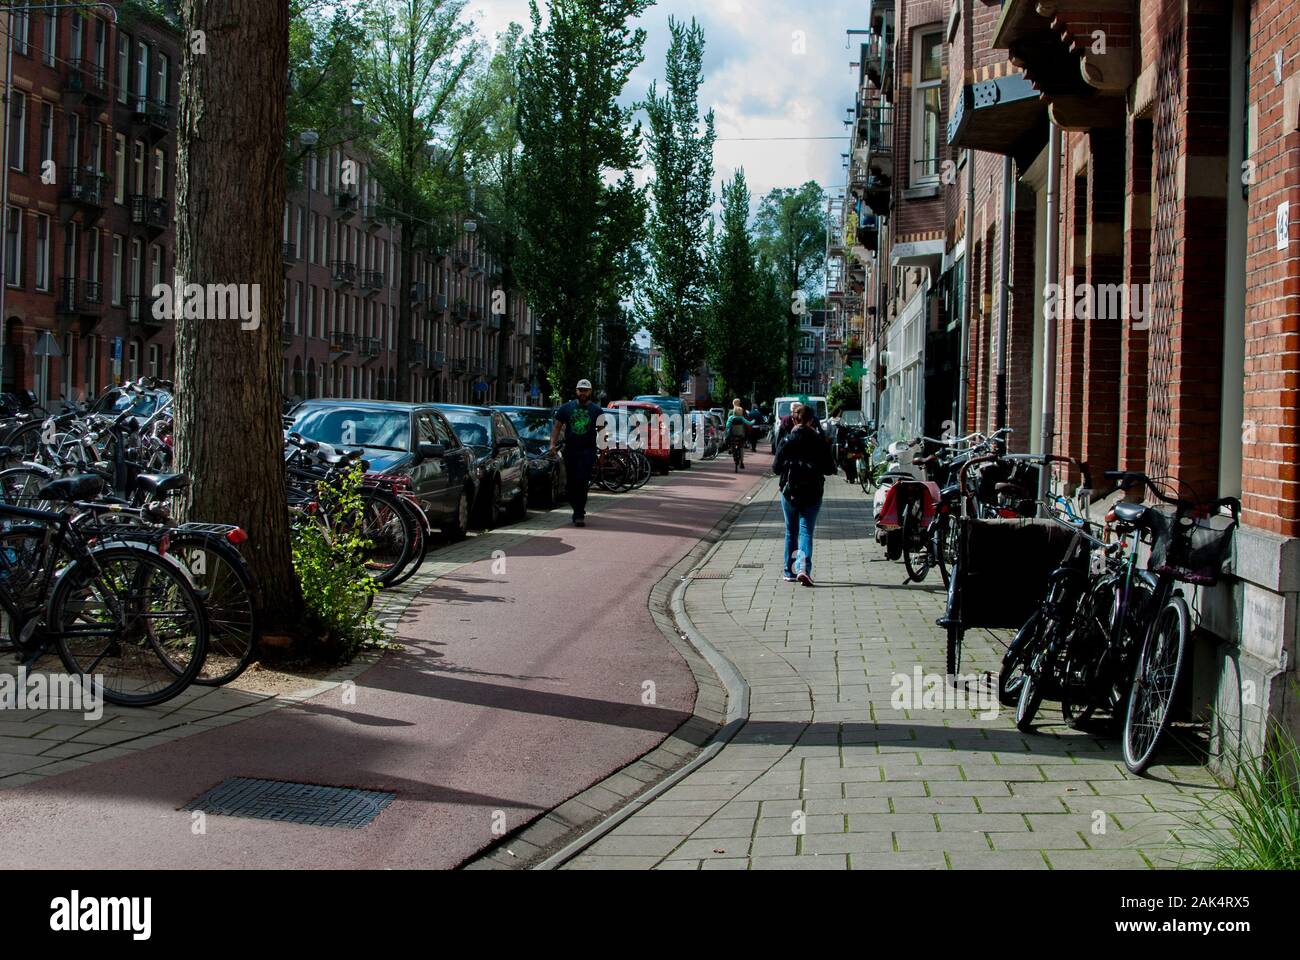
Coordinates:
<point>801,482</point>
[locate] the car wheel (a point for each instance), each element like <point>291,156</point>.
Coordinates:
<point>459,524</point>
<point>490,513</point>
<point>519,506</point>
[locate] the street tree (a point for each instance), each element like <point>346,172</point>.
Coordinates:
<point>411,75</point>
<point>230,194</point>
<point>579,207</point>
<point>323,43</point>
<point>736,307</point>
<point>791,233</point>
<point>680,149</point>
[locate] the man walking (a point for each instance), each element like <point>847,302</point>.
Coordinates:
<point>580,421</point>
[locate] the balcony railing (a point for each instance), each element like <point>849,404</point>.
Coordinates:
<point>290,253</point>
<point>369,347</point>
<point>372,281</point>
<point>85,79</point>
<point>79,298</point>
<point>437,359</point>
<point>459,365</point>
<point>440,303</point>
<point>460,312</point>
<point>345,205</point>
<point>149,212</point>
<point>342,343</point>
<point>343,272</point>
<point>419,293</point>
<point>417,353</point>
<point>82,187</point>
<point>139,309</point>
<point>372,216</point>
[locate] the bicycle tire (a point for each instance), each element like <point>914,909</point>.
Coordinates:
<point>1033,688</point>
<point>229,594</point>
<point>419,549</point>
<point>1142,736</point>
<point>1023,646</point>
<point>917,568</point>
<point>382,513</point>
<point>80,576</point>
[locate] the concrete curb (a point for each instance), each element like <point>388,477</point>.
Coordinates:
<point>721,709</point>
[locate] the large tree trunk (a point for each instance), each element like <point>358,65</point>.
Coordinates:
<point>229,204</point>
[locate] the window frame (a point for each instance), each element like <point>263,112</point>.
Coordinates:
<point>920,87</point>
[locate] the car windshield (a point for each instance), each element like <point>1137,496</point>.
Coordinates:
<point>117,401</point>
<point>348,426</point>
<point>532,425</point>
<point>472,429</point>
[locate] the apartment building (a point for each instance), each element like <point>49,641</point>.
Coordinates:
<point>1110,269</point>
<point>90,165</point>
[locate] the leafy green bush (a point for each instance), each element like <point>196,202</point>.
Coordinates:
<point>331,567</point>
<point>1256,824</point>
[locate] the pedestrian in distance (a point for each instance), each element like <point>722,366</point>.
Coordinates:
<point>580,421</point>
<point>803,462</point>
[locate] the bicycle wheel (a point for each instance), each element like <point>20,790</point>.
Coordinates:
<point>128,618</point>
<point>1155,683</point>
<point>20,486</point>
<point>1033,686</point>
<point>389,533</point>
<point>916,551</point>
<point>1027,641</point>
<point>946,547</point>
<point>420,546</point>
<point>229,595</point>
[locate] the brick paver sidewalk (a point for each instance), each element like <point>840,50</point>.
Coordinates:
<point>829,774</point>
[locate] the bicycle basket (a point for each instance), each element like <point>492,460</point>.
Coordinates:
<point>1192,550</point>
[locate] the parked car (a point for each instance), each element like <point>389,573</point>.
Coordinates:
<point>626,416</point>
<point>675,409</point>
<point>546,477</point>
<point>411,444</point>
<point>781,409</point>
<point>500,463</point>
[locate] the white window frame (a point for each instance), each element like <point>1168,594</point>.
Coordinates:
<point>18,146</point>
<point>123,66</point>
<point>919,89</point>
<point>119,168</point>
<point>50,40</point>
<point>43,245</point>
<point>115,280</point>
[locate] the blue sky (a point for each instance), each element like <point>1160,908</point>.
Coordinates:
<point>757,81</point>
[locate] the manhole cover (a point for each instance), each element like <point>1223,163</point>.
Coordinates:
<point>305,803</point>
<point>711,575</point>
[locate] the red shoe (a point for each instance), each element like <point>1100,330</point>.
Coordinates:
<point>806,580</point>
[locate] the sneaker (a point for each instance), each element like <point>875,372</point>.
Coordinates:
<point>790,578</point>
<point>806,580</point>
<point>579,522</point>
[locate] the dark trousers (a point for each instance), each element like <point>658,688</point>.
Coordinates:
<point>577,467</point>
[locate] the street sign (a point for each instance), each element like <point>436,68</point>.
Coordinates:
<point>46,346</point>
<point>117,349</point>
<point>535,392</point>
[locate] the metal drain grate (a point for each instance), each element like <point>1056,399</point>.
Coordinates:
<point>712,575</point>
<point>305,803</point>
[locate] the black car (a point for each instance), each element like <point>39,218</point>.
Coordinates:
<point>411,443</point>
<point>500,464</point>
<point>546,478</point>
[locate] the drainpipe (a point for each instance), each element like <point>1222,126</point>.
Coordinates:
<point>964,379</point>
<point>1051,277</point>
<point>4,187</point>
<point>1004,303</point>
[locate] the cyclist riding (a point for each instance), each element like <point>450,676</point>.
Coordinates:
<point>738,427</point>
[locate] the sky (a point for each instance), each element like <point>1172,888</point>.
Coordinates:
<point>772,68</point>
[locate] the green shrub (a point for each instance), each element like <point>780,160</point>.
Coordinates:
<point>331,567</point>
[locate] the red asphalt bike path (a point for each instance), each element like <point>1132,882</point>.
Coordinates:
<point>515,692</point>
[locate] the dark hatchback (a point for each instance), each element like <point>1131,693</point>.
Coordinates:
<point>411,443</point>
<point>500,464</point>
<point>546,478</point>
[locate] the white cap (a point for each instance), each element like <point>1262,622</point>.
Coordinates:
<point>584,384</point>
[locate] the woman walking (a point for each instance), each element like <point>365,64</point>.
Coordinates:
<point>803,462</point>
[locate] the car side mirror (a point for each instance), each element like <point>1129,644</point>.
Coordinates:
<point>429,451</point>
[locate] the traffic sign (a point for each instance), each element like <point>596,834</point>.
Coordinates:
<point>47,346</point>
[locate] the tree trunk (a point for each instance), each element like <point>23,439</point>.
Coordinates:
<point>229,208</point>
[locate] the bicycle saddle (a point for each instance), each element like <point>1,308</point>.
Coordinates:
<point>1131,513</point>
<point>161,484</point>
<point>79,487</point>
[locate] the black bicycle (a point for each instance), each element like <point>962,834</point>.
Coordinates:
<point>119,614</point>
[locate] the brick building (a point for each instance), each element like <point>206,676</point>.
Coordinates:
<point>1116,276</point>
<point>91,181</point>
<point>91,148</point>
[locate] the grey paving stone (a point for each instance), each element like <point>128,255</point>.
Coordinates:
<point>1097,860</point>
<point>941,841</point>
<point>913,860</point>
<point>996,860</point>
<point>830,861</point>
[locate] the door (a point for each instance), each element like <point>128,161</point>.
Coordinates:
<point>429,477</point>
<point>514,462</point>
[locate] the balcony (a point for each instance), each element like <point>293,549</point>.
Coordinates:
<point>81,191</point>
<point>80,300</point>
<point>368,347</point>
<point>459,365</point>
<point>440,303</point>
<point>372,281</point>
<point>149,212</point>
<point>286,333</point>
<point>139,309</point>
<point>460,311</point>
<point>343,273</point>
<point>371,216</point>
<point>290,254</point>
<point>875,139</point>
<point>417,354</point>
<point>152,117</point>
<point>437,360</point>
<point>419,293</point>
<point>475,314</point>
<point>494,321</point>
<point>342,344</point>
<point>84,82</point>
<point>345,205</point>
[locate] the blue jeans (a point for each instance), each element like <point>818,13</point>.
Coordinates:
<point>800,522</point>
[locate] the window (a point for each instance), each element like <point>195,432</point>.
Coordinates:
<point>92,255</point>
<point>155,266</point>
<point>21,28</point>
<point>159,173</point>
<point>101,37</point>
<point>137,167</point>
<point>14,248</point>
<point>141,74</point>
<point>75,35</point>
<point>297,308</point>
<point>123,64</point>
<point>42,252</point>
<point>137,265</point>
<point>115,276</point>
<point>70,249</point>
<point>311,240</point>
<point>18,131</point>
<point>133,360</point>
<point>926,106</point>
<point>95,161</point>
<point>164,79</point>
<point>47,135</point>
<point>119,168</point>
<point>311,311</point>
<point>50,41</point>
<point>155,357</point>
<point>74,140</point>
<point>92,366</point>
<point>69,351</point>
